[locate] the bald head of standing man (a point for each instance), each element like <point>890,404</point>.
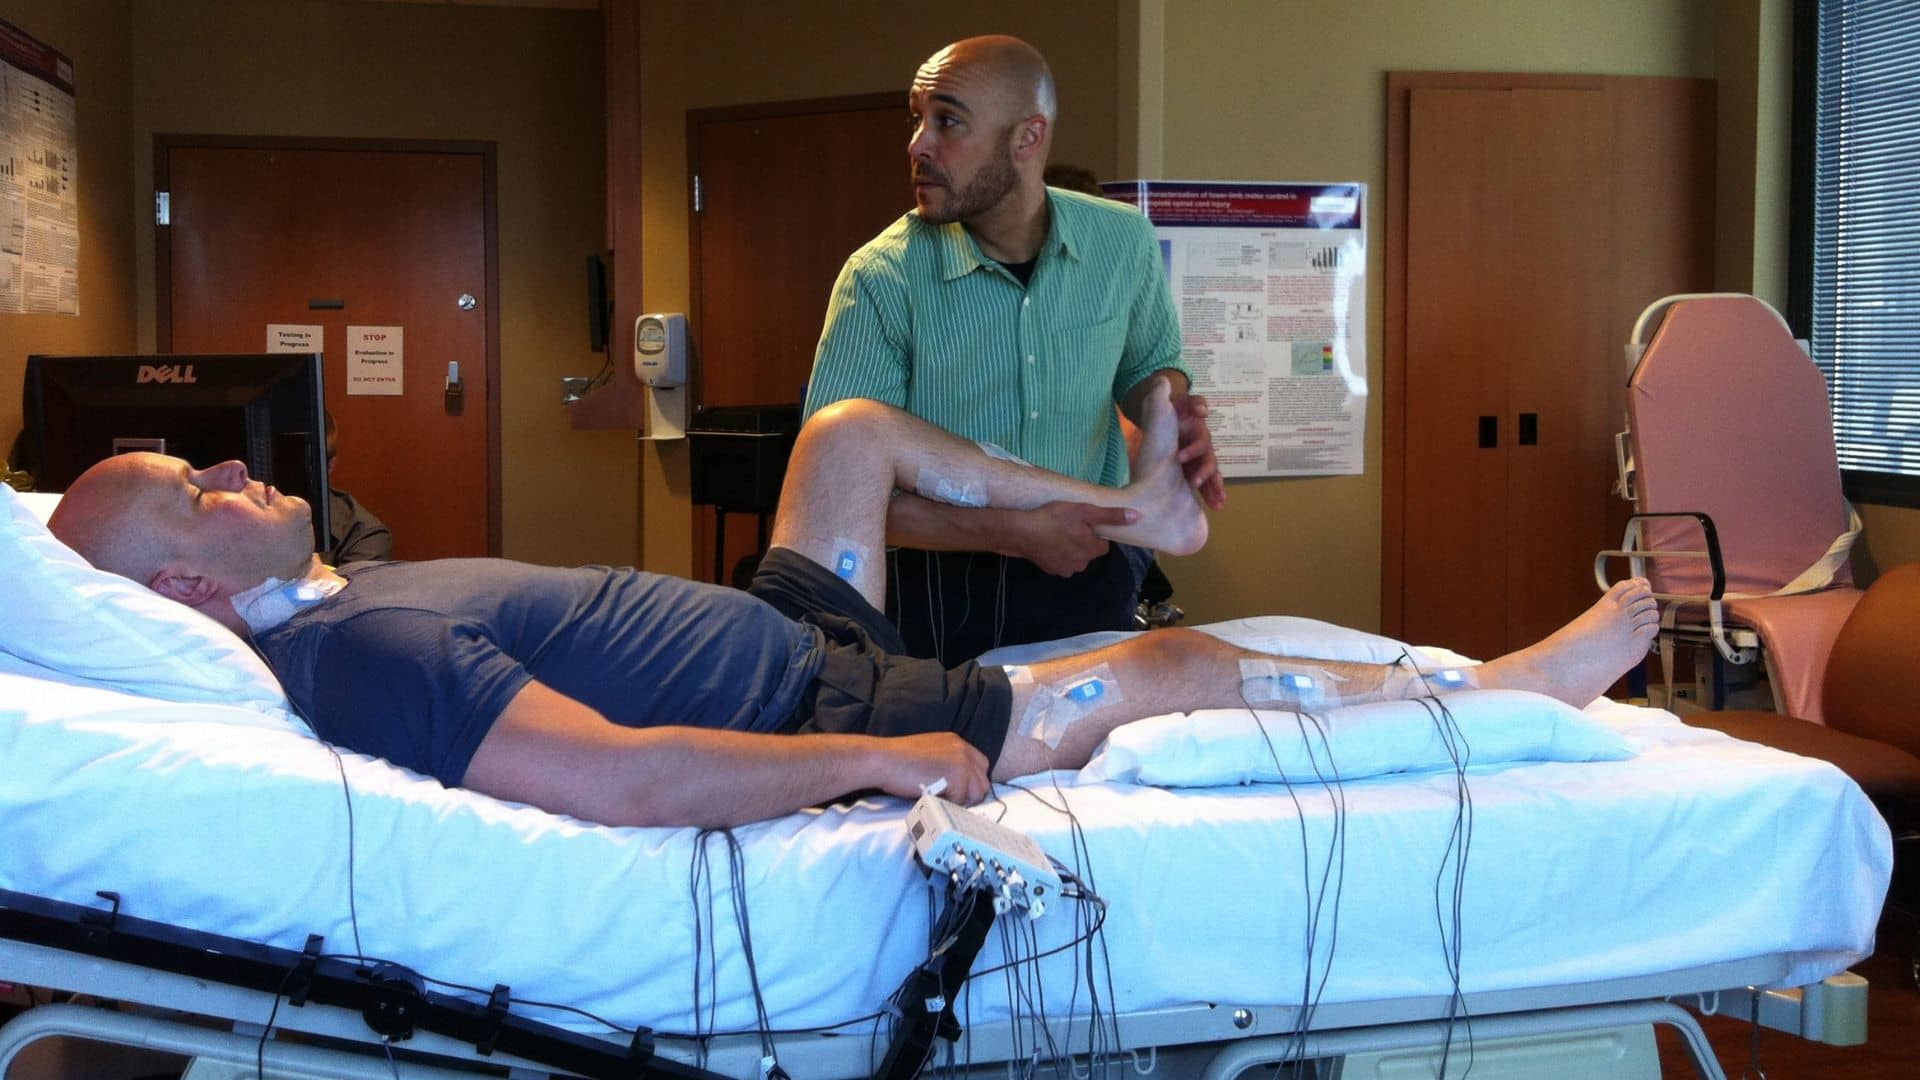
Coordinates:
<point>983,112</point>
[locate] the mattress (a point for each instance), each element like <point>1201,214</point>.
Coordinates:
<point>1695,851</point>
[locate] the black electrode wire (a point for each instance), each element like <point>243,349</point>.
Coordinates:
<point>1314,899</point>
<point>1099,1036</point>
<point>1333,870</point>
<point>353,921</point>
<point>737,872</point>
<point>1459,845</point>
<point>700,873</point>
<point>966,592</point>
<point>1000,604</point>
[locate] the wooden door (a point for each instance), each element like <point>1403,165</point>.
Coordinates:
<point>335,235</point>
<point>786,193</point>
<point>1460,263</point>
<point>1529,218</point>
<point>1559,360</point>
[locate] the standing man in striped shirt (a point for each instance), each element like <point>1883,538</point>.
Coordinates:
<point>1018,316</point>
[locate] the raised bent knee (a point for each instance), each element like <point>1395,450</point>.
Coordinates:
<point>858,419</point>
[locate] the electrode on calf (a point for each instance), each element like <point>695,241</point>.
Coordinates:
<point>1054,707</point>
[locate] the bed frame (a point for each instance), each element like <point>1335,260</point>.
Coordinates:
<point>210,998</point>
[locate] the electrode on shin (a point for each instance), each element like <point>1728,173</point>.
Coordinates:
<point>1405,682</point>
<point>1290,684</point>
<point>1053,708</point>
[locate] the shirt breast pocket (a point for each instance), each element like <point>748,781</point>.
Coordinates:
<point>1084,361</point>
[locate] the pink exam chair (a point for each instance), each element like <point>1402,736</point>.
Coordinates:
<point>1740,524</point>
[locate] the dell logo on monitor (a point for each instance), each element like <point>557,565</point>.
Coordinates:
<point>166,373</point>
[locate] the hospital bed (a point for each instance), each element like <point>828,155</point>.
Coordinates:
<point>1553,906</point>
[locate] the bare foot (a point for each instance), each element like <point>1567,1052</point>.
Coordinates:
<point>1171,518</point>
<point>1577,662</point>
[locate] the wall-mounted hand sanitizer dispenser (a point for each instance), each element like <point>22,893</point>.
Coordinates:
<point>660,361</point>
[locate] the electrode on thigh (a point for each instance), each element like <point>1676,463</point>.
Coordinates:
<point>849,557</point>
<point>1290,684</point>
<point>1055,707</point>
<point>935,485</point>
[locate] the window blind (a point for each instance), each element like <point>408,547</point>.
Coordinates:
<point>1865,243</point>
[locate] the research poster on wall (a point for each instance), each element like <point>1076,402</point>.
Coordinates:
<point>1269,280</point>
<point>39,206</point>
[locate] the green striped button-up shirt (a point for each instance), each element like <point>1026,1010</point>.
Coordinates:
<point>921,320</point>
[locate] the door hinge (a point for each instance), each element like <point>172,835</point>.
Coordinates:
<point>698,202</point>
<point>162,208</point>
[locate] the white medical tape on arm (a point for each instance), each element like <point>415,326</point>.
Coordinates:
<point>942,488</point>
<point>1000,453</point>
<point>1055,707</point>
<point>849,557</point>
<point>1291,685</point>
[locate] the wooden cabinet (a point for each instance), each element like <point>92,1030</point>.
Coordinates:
<point>1530,217</point>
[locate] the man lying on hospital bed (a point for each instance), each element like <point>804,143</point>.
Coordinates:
<point>635,699</point>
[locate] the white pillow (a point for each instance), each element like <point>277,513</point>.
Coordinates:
<point>1281,635</point>
<point>1216,747</point>
<point>101,629</point>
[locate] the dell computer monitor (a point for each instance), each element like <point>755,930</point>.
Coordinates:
<point>268,410</point>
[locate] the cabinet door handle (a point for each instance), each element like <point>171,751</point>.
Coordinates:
<point>1489,432</point>
<point>1529,429</point>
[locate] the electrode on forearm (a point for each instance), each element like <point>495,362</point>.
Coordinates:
<point>939,487</point>
<point>1055,707</point>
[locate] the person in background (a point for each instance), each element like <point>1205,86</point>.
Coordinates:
<point>354,533</point>
<point>1017,316</point>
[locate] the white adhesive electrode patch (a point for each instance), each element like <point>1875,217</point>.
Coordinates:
<point>848,558</point>
<point>1055,707</point>
<point>1405,683</point>
<point>942,488</point>
<point>1290,684</point>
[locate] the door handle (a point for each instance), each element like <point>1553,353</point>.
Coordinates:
<point>1489,432</point>
<point>1529,429</point>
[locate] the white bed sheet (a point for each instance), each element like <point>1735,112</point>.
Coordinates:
<point>1699,850</point>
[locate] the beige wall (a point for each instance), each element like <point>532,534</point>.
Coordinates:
<point>528,80</point>
<point>782,50</point>
<point>1295,90</point>
<point>94,35</point>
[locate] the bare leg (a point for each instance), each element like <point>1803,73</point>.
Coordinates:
<point>1176,671</point>
<point>852,456</point>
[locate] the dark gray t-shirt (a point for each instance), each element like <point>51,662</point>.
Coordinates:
<point>413,662</point>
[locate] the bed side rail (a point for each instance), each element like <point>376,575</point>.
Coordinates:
<point>391,999</point>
